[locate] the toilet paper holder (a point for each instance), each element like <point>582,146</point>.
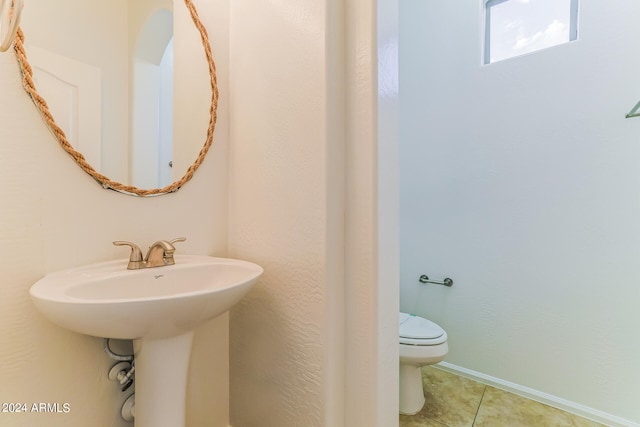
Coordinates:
<point>446,282</point>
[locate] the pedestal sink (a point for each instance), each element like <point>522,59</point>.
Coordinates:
<point>157,308</point>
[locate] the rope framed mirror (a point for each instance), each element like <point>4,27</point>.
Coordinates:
<point>81,160</point>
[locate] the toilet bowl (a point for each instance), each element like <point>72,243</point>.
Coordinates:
<point>422,342</point>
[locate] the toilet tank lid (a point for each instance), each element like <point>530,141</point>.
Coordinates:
<point>416,327</point>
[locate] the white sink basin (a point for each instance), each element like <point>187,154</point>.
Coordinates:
<point>157,308</point>
<point>107,300</point>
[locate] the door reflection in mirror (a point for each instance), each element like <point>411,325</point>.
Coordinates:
<point>152,101</point>
<point>135,110</point>
<point>106,71</point>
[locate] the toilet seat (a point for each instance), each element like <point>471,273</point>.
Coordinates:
<point>415,330</point>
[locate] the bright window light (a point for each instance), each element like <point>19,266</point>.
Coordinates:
<point>516,27</point>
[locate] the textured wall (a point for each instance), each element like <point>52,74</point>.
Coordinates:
<point>315,343</point>
<point>372,210</point>
<point>278,212</point>
<point>520,181</point>
<point>54,216</point>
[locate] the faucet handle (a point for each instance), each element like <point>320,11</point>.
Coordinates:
<point>169,249</point>
<point>135,259</point>
<point>136,253</point>
<point>168,255</point>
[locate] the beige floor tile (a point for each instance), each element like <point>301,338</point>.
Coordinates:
<point>451,400</point>
<point>502,409</point>
<point>418,421</point>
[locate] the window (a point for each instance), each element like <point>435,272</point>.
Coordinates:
<point>516,27</point>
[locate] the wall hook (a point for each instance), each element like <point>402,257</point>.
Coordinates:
<point>634,111</point>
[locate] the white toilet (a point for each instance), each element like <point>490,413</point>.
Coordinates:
<point>422,342</point>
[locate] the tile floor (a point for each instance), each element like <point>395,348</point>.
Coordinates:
<point>454,401</point>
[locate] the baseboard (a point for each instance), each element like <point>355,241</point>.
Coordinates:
<point>547,399</point>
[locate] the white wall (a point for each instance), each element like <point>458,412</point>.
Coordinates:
<point>54,216</point>
<point>315,342</point>
<point>372,214</point>
<point>520,181</point>
<point>281,199</point>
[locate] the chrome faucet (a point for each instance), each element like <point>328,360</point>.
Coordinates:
<point>159,254</point>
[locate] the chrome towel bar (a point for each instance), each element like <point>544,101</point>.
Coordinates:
<point>446,282</point>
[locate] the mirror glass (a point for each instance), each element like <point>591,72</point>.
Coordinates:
<point>127,81</point>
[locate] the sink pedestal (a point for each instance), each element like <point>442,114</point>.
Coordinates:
<point>162,366</point>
